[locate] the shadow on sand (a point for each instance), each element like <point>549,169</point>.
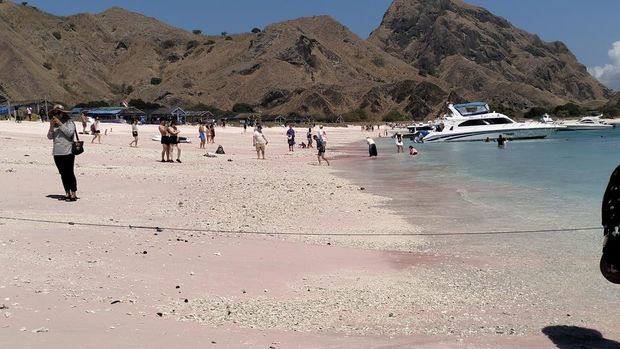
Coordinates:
<point>56,197</point>
<point>573,337</point>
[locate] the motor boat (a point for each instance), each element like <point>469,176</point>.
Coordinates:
<point>475,122</point>
<point>586,123</point>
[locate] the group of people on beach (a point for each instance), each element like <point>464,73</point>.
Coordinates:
<point>169,140</point>
<point>206,133</point>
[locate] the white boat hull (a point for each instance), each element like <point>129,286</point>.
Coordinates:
<point>582,127</point>
<point>511,132</point>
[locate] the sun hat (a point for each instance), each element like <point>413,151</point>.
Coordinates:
<point>59,107</point>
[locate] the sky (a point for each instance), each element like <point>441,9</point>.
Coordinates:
<point>590,29</point>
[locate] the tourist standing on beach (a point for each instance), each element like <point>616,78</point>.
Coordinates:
<point>213,133</point>
<point>173,131</point>
<point>29,113</point>
<point>309,136</point>
<point>165,141</point>
<point>399,142</point>
<point>96,131</point>
<point>260,141</point>
<point>61,131</point>
<point>134,132</point>
<point>83,120</point>
<point>372,147</point>
<point>320,147</point>
<point>202,135</point>
<point>322,136</point>
<point>245,127</point>
<point>290,135</point>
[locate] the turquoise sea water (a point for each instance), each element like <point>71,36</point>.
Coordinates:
<point>475,186</point>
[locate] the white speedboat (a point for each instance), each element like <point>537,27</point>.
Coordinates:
<point>475,122</point>
<point>586,123</point>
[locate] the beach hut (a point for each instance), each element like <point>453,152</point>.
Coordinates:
<point>280,120</point>
<point>116,114</point>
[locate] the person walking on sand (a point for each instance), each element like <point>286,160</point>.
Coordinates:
<point>62,131</point>
<point>290,136</point>
<point>261,142</point>
<point>173,131</point>
<point>96,131</point>
<point>202,135</point>
<point>165,141</point>
<point>320,147</point>
<point>372,147</point>
<point>134,133</point>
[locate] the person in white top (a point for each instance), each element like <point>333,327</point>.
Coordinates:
<point>399,143</point>
<point>260,141</point>
<point>372,147</point>
<point>322,135</point>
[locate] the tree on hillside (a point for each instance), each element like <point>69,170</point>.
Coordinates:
<point>197,31</point>
<point>142,105</point>
<point>242,108</point>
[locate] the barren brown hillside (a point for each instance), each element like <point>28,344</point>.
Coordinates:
<point>423,52</point>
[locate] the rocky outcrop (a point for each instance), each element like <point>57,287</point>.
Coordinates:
<point>433,35</point>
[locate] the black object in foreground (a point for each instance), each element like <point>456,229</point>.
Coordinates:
<point>610,261</point>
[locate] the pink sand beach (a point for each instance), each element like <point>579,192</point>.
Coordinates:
<point>280,253</point>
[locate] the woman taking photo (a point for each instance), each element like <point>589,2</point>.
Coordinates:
<point>61,131</point>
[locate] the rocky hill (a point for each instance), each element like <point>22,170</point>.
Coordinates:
<point>424,53</point>
<point>483,55</point>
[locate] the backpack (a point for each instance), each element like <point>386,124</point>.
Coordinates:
<point>220,150</point>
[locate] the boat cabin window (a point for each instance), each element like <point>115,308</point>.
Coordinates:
<point>478,122</point>
<point>498,121</point>
<point>472,109</point>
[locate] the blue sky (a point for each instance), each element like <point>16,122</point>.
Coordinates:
<point>589,28</point>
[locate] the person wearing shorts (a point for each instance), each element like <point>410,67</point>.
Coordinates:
<point>320,146</point>
<point>165,141</point>
<point>134,133</point>
<point>202,135</point>
<point>173,131</point>
<point>260,142</point>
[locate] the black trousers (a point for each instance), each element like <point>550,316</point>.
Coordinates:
<point>64,163</point>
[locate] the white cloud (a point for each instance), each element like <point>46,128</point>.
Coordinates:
<point>609,74</point>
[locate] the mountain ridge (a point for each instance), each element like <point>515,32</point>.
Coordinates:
<point>311,65</point>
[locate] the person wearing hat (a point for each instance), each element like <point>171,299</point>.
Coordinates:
<point>61,131</point>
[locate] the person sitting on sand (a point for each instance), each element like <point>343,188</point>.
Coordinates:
<point>303,145</point>
<point>372,147</point>
<point>413,151</point>
<point>320,147</point>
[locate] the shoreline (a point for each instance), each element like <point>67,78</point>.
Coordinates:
<point>338,291</point>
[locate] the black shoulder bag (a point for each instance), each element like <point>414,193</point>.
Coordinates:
<point>77,147</point>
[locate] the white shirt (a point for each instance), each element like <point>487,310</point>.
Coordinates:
<point>259,138</point>
<point>322,135</point>
<point>370,141</point>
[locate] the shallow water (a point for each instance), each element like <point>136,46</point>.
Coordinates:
<point>475,186</point>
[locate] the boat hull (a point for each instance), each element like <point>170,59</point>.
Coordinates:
<point>481,135</point>
<point>576,127</point>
